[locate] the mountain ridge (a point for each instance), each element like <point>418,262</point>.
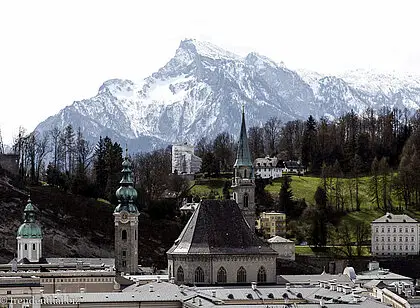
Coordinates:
<point>199,92</point>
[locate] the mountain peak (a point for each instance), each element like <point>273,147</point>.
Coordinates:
<point>206,49</point>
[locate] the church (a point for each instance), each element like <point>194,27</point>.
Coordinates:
<point>218,244</point>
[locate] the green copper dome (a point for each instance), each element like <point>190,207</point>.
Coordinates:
<point>126,194</point>
<point>29,229</point>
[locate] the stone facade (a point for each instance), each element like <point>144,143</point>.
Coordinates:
<point>126,242</point>
<point>184,161</point>
<point>230,264</point>
<point>29,248</point>
<point>395,235</point>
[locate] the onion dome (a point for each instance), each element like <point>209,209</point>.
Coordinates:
<point>29,228</point>
<point>126,194</point>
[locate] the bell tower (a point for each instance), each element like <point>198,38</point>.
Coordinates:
<point>243,184</point>
<point>126,223</point>
<point>29,236</point>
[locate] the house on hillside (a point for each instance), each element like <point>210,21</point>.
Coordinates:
<point>293,166</point>
<point>268,167</point>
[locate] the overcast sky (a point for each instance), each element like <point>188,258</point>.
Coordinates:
<point>55,52</point>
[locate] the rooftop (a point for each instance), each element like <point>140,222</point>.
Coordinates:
<point>394,218</point>
<point>218,227</point>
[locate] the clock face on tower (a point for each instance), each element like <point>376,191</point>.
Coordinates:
<point>124,217</point>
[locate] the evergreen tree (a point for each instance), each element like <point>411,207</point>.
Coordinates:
<point>285,202</point>
<point>225,191</point>
<point>374,182</point>
<point>309,144</point>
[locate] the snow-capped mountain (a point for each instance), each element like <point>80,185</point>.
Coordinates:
<point>200,91</point>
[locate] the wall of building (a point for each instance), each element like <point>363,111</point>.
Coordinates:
<point>231,263</point>
<point>395,239</point>
<point>285,250</point>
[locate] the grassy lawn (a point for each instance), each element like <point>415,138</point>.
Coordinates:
<point>329,251</point>
<point>204,187</point>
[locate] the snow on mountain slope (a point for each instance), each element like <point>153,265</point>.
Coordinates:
<point>200,91</point>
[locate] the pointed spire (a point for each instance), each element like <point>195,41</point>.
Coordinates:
<point>126,194</point>
<point>243,156</point>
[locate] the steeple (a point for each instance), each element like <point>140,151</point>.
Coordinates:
<point>29,235</point>
<point>243,156</point>
<point>126,222</point>
<point>126,194</point>
<point>243,184</point>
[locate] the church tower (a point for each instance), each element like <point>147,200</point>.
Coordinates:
<point>126,223</point>
<point>243,181</point>
<point>29,236</point>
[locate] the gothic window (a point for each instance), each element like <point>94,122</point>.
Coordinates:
<point>180,274</point>
<point>245,200</point>
<point>199,275</point>
<point>241,275</point>
<point>221,275</point>
<point>262,275</point>
<point>124,235</point>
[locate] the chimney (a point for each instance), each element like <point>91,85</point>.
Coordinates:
<point>158,279</point>
<point>151,288</point>
<point>321,302</point>
<point>199,302</point>
<point>172,280</point>
<point>253,285</point>
<point>213,293</point>
<point>82,290</point>
<point>288,286</point>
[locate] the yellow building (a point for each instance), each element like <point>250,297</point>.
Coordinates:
<point>272,223</point>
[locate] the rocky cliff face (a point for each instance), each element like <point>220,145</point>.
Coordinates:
<point>200,91</point>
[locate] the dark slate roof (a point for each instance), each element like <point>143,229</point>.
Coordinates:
<point>218,227</point>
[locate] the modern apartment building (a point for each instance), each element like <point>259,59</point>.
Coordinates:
<point>394,235</point>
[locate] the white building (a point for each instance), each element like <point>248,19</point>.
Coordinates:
<point>268,167</point>
<point>183,159</point>
<point>395,235</point>
<point>284,247</point>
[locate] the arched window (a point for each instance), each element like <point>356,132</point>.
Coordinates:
<point>221,275</point>
<point>180,274</point>
<point>262,275</point>
<point>241,275</point>
<point>199,275</point>
<point>124,235</point>
<point>26,246</point>
<point>245,173</point>
<point>245,200</point>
